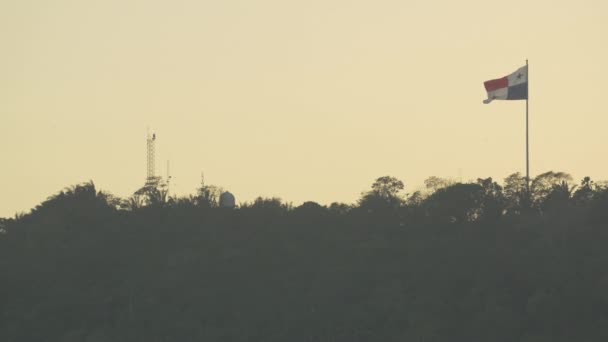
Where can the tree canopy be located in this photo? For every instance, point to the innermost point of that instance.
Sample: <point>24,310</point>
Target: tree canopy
<point>459,262</point>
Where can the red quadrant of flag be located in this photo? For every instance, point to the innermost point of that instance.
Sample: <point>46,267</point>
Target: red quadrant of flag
<point>496,84</point>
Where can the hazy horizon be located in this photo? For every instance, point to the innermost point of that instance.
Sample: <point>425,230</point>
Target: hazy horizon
<point>305,101</point>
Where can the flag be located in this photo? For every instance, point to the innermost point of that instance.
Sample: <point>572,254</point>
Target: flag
<point>512,87</point>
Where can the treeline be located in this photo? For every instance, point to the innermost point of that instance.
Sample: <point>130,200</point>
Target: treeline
<point>477,261</point>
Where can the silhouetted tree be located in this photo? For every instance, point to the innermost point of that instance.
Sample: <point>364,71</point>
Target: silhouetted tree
<point>310,211</point>
<point>585,192</point>
<point>186,201</point>
<point>456,203</point>
<point>516,193</point>
<point>387,187</point>
<point>546,183</point>
<point>383,195</point>
<point>434,183</point>
<point>267,206</point>
<point>559,198</point>
<point>415,199</point>
<point>208,196</point>
<point>339,208</point>
<point>493,201</point>
<point>133,202</point>
<point>310,208</point>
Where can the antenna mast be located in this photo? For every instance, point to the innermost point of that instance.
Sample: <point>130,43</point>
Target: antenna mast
<point>151,178</point>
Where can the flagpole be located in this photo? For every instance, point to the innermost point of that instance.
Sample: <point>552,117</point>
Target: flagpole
<point>527,137</point>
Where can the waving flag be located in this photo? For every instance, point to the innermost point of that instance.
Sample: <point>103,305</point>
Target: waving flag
<point>512,87</point>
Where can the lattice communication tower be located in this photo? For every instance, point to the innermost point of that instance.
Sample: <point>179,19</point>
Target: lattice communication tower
<point>151,178</point>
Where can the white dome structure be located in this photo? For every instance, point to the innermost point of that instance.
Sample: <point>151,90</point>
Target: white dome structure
<point>227,200</point>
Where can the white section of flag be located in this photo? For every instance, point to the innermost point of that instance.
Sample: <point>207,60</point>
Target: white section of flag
<point>498,94</point>
<point>518,77</point>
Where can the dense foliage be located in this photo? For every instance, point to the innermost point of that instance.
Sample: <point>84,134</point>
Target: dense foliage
<point>457,262</point>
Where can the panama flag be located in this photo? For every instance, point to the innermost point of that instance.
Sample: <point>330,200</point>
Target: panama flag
<point>512,87</point>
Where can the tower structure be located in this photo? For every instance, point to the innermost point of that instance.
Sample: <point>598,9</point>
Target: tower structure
<point>155,190</point>
<point>151,179</point>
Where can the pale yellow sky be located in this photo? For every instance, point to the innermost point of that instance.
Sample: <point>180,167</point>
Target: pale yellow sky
<point>306,100</point>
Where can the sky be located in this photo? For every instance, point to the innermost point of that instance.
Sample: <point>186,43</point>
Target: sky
<point>302,100</point>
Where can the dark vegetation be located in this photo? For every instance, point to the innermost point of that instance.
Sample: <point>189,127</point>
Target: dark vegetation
<point>457,262</point>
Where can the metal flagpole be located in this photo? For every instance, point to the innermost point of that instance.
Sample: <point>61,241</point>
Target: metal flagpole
<point>527,139</point>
